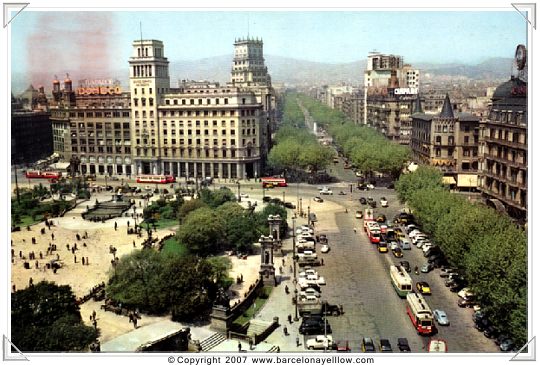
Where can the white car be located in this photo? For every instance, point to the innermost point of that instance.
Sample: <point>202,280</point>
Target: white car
<point>393,245</point>
<point>358,174</point>
<point>326,192</point>
<point>384,202</point>
<point>358,214</point>
<point>244,195</point>
<point>309,291</point>
<point>423,243</point>
<point>465,292</point>
<point>426,246</point>
<point>320,342</point>
<point>325,249</point>
<point>311,280</point>
<point>308,299</point>
<point>405,243</point>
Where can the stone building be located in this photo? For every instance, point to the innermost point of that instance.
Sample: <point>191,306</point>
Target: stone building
<point>504,145</point>
<point>448,141</point>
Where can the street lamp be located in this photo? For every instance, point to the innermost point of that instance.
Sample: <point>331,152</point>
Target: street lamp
<point>238,184</point>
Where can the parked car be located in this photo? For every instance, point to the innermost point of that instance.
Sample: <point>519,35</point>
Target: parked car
<point>318,199</point>
<point>405,243</point>
<point>325,249</point>
<point>326,191</point>
<point>423,288</point>
<point>373,204</point>
<point>358,214</point>
<point>441,317</point>
<point>403,345</point>
<point>363,201</point>
<point>368,345</point>
<point>384,345</point>
<point>384,202</point>
<point>289,205</point>
<point>507,345</point>
<point>465,292</point>
<point>467,302</point>
<point>427,267</point>
<point>491,332</point>
<point>310,291</point>
<point>342,346</point>
<point>405,265</point>
<point>314,326</point>
<point>320,342</point>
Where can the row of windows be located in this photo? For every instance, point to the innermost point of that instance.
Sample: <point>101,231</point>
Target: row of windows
<point>244,123</point>
<point>507,117</point>
<point>188,113</point>
<point>101,149</point>
<point>181,152</point>
<point>197,142</point>
<point>143,101</point>
<point>217,101</point>
<point>142,90</point>
<point>100,142</point>
<point>108,114</point>
<point>108,125</point>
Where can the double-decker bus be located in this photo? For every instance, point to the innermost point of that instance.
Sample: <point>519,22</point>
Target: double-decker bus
<point>401,280</point>
<point>156,179</point>
<point>270,182</point>
<point>420,314</point>
<point>36,174</point>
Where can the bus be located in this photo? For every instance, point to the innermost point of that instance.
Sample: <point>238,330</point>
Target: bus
<point>420,314</point>
<point>156,179</point>
<point>36,174</point>
<point>270,182</point>
<point>401,280</point>
<point>373,232</point>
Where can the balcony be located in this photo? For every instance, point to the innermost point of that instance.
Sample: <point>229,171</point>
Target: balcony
<point>509,163</point>
<point>503,142</point>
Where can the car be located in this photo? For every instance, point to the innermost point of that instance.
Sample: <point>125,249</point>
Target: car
<point>427,267</point>
<point>318,199</point>
<point>405,243</point>
<point>342,193</point>
<point>362,201</point>
<point>441,317</point>
<point>358,214</point>
<point>405,265</point>
<point>467,302</point>
<point>368,345</point>
<point>308,299</point>
<point>423,288</point>
<point>320,342</point>
<point>244,195</point>
<point>456,287</point>
<point>491,332</point>
<point>373,204</point>
<point>342,346</point>
<point>309,272</point>
<point>358,174</point>
<point>325,249</point>
<point>399,232</point>
<point>363,187</point>
<point>393,245</point>
<point>384,345</point>
<point>507,345</point>
<point>314,327</point>
<point>451,280</point>
<point>482,324</point>
<point>384,202</point>
<point>310,292</point>
<point>403,345</point>
<point>426,247</point>
<point>397,252</point>
<point>266,199</point>
<point>465,292</point>
<point>289,205</point>
<point>326,191</point>
<point>381,218</point>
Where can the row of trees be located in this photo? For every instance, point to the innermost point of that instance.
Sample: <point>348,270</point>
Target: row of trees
<point>487,246</point>
<point>29,204</point>
<point>297,148</point>
<point>364,147</point>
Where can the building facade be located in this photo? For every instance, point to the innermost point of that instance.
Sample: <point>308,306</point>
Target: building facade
<point>504,144</point>
<point>448,141</point>
<point>92,123</point>
<point>31,131</point>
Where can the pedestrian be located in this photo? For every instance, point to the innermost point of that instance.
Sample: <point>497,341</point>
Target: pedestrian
<point>67,246</point>
<point>83,260</point>
<point>322,262</point>
<point>40,255</point>
<point>31,282</point>
<point>297,341</point>
<point>135,322</point>
<point>115,226</point>
<point>289,318</point>
<point>33,240</point>
<point>94,322</point>
<point>85,234</point>
<point>283,262</point>
<point>128,223</point>
<point>78,237</point>
<point>52,236</point>
<point>37,265</point>
<point>87,262</point>
<point>134,243</point>
<point>20,254</point>
<point>75,258</point>
<point>239,347</point>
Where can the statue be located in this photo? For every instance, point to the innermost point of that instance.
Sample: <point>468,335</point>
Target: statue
<point>222,299</point>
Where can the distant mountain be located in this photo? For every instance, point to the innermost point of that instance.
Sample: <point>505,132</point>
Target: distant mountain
<point>283,69</point>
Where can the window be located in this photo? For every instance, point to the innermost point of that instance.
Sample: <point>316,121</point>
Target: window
<point>438,152</point>
<point>466,140</point>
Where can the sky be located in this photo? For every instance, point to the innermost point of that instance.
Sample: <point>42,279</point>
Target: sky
<point>42,41</point>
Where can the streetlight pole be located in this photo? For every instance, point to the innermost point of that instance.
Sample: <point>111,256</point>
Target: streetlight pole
<point>294,269</point>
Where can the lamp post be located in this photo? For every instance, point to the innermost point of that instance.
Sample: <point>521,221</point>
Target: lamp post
<point>238,184</point>
<point>294,269</point>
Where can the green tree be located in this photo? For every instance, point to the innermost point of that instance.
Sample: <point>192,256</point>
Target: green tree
<point>214,199</point>
<point>202,232</point>
<point>188,207</point>
<point>241,230</point>
<point>45,317</point>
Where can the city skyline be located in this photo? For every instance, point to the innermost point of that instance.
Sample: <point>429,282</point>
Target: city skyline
<point>99,43</point>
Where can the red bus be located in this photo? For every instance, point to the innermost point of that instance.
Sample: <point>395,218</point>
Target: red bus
<point>156,179</point>
<point>273,181</point>
<point>36,174</point>
<point>420,314</point>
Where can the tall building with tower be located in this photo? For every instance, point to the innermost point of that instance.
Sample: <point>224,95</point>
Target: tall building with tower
<point>148,81</point>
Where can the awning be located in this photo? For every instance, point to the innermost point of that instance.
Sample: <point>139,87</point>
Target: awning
<point>467,181</point>
<point>448,180</point>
